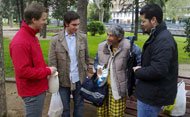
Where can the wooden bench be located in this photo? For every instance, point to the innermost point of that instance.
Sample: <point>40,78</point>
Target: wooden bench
<point>131,106</point>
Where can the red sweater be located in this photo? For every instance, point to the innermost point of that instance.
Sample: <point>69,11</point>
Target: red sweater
<point>30,69</point>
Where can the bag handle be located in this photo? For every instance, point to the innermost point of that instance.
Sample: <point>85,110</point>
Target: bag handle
<point>178,84</point>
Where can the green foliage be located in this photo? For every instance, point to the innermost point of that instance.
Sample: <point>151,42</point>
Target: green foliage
<point>161,3</point>
<point>48,20</point>
<point>59,10</point>
<point>96,27</point>
<point>107,3</point>
<point>93,14</point>
<point>187,32</point>
<point>177,9</point>
<point>9,6</point>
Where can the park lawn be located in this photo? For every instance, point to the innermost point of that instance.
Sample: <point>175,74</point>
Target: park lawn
<point>48,34</point>
<point>182,56</point>
<point>9,70</point>
<point>93,42</point>
<point>54,27</point>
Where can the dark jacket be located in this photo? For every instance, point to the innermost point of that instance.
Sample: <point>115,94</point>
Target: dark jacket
<point>158,76</point>
<point>135,49</point>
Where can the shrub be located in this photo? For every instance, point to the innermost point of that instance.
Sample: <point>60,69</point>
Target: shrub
<point>95,27</point>
<point>187,32</point>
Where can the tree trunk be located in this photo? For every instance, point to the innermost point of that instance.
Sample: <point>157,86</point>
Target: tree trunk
<point>10,19</point>
<point>22,9</point>
<point>100,9</point>
<point>43,31</point>
<point>101,14</point>
<point>9,7</point>
<point>82,11</point>
<point>136,18</point>
<point>3,105</point>
<point>19,12</point>
<point>132,24</point>
<point>58,22</point>
<point>10,14</point>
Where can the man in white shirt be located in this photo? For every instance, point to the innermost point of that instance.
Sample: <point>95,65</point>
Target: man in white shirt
<point>69,53</point>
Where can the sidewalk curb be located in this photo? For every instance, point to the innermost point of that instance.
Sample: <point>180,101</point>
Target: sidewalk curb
<point>10,80</point>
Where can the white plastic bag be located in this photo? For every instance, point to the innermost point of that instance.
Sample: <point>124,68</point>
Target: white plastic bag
<point>53,83</point>
<point>102,73</point>
<point>56,106</point>
<point>180,106</point>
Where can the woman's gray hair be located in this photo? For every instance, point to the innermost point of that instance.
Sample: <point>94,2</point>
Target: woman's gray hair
<point>116,30</point>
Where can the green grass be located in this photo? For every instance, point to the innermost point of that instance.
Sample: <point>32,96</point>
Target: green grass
<point>54,27</point>
<point>48,34</point>
<point>93,42</point>
<point>14,24</point>
<point>182,56</point>
<point>9,70</point>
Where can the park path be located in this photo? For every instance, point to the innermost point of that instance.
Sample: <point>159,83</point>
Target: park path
<point>11,31</point>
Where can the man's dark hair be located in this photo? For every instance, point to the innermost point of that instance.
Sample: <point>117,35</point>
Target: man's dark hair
<point>152,10</point>
<point>33,11</point>
<point>69,16</point>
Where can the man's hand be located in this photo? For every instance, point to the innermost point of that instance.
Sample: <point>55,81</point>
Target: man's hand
<point>53,70</point>
<point>135,68</point>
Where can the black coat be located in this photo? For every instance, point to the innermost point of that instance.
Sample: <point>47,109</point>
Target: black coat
<point>157,83</point>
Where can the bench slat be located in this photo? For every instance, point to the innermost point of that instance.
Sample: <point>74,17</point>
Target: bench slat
<point>131,105</point>
<point>187,104</point>
<point>188,98</point>
<point>162,114</point>
<point>131,112</point>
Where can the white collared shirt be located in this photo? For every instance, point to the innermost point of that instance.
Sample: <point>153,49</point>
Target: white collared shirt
<point>71,42</point>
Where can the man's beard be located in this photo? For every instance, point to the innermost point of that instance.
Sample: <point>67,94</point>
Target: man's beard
<point>145,31</point>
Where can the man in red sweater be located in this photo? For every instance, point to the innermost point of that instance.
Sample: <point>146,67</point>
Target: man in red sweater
<point>31,72</point>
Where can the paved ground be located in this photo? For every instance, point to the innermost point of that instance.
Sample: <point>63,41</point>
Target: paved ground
<point>184,69</point>
<point>15,104</point>
<point>10,32</point>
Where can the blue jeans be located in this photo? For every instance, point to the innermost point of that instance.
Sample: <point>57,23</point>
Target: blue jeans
<point>34,105</point>
<point>146,110</point>
<point>78,101</point>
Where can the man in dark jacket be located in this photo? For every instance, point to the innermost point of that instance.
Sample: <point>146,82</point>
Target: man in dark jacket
<point>157,75</point>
